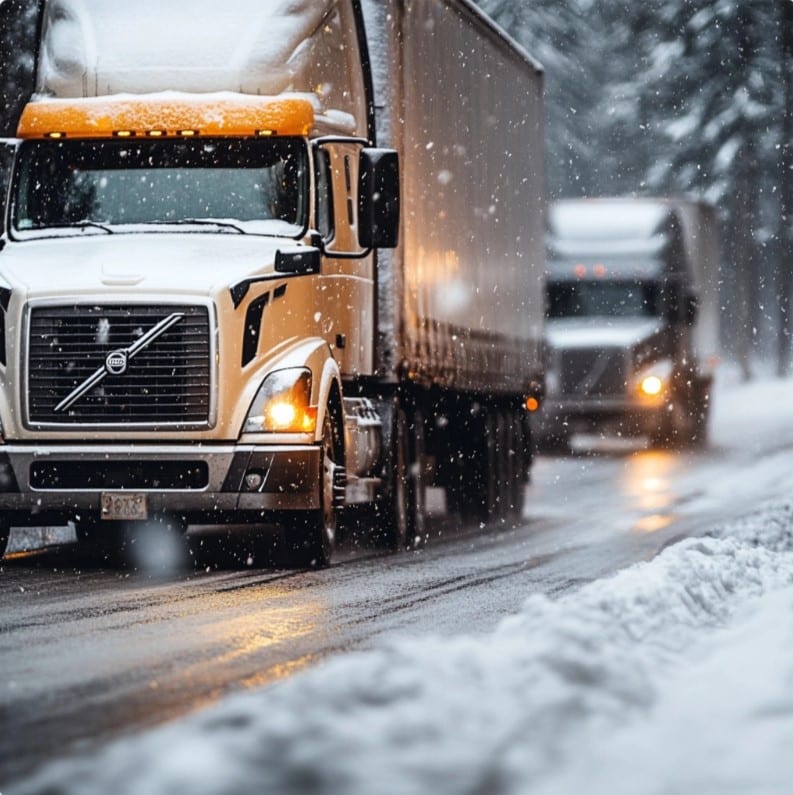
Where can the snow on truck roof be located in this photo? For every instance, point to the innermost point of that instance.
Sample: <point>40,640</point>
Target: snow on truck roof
<point>256,47</point>
<point>608,219</point>
<point>168,113</point>
<point>635,231</point>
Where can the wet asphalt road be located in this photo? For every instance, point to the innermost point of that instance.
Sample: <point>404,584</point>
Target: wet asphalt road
<point>88,652</point>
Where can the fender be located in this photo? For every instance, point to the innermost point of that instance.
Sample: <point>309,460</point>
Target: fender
<point>315,354</point>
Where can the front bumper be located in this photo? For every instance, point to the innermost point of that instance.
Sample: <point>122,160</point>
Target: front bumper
<point>203,483</point>
<point>562,418</point>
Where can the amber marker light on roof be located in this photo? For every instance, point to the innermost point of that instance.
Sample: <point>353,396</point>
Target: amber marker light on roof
<point>155,133</point>
<point>123,133</point>
<point>178,114</point>
<point>55,135</point>
<point>532,404</point>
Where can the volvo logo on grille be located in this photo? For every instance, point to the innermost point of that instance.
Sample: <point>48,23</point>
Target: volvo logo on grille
<point>116,362</point>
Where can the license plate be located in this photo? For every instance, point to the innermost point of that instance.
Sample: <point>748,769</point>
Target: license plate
<point>129,506</point>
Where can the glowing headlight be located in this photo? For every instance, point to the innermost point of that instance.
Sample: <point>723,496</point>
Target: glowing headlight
<point>651,385</point>
<point>654,381</point>
<point>282,404</point>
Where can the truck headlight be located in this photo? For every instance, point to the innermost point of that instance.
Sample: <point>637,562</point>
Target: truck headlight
<point>282,404</point>
<point>653,382</point>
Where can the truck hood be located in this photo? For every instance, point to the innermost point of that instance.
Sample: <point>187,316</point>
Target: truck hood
<point>198,264</point>
<point>600,332</point>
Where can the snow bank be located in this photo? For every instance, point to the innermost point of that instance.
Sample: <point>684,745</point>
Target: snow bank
<point>674,676</point>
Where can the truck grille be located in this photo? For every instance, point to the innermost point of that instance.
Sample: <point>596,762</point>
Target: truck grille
<point>165,382</point>
<point>593,372</point>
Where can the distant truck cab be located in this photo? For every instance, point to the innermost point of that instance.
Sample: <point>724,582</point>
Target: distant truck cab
<point>632,319</point>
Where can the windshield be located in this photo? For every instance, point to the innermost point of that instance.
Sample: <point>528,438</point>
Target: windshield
<point>254,185</point>
<point>602,299</point>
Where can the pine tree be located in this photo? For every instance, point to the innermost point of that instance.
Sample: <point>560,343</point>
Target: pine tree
<point>19,21</point>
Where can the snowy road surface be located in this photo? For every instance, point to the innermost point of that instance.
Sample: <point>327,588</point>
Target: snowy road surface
<point>518,660</point>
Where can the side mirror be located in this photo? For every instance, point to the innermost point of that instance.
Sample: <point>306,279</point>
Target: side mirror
<point>378,198</point>
<point>297,261</point>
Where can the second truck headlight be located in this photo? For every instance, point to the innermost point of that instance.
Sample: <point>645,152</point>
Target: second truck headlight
<point>282,404</point>
<point>654,381</point>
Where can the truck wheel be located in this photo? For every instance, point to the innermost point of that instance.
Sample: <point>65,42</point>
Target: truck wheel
<point>479,479</point>
<point>417,482</point>
<point>311,535</point>
<point>402,510</point>
<point>516,466</point>
<point>491,478</point>
<point>503,484</point>
<point>676,428</point>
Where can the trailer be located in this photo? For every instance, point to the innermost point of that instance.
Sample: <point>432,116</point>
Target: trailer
<point>284,263</point>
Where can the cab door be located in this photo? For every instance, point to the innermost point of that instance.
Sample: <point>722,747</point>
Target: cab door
<point>8,148</point>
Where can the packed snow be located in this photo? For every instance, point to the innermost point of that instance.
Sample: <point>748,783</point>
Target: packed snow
<point>674,676</point>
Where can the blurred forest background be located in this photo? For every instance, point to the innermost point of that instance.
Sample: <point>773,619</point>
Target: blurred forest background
<point>658,97</point>
<point>680,97</point>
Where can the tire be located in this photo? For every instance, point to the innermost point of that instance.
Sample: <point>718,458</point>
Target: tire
<point>503,484</point>
<point>676,428</point>
<point>515,466</point>
<point>509,466</point>
<point>310,536</point>
<point>401,510</point>
<point>478,484</point>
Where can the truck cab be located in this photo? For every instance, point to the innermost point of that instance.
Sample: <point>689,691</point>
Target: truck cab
<point>145,240</point>
<point>623,324</point>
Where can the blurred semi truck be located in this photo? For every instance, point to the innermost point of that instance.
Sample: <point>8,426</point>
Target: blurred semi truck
<point>632,319</point>
<point>287,261</point>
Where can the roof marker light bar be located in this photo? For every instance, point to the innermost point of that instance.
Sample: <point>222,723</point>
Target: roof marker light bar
<point>168,114</point>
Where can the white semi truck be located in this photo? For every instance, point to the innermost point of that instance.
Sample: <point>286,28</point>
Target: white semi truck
<point>633,319</point>
<point>284,262</point>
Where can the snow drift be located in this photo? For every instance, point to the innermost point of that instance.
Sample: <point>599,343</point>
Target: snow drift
<point>673,676</point>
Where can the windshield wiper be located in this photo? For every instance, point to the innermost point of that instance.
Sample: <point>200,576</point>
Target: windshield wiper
<point>88,225</point>
<point>219,225</point>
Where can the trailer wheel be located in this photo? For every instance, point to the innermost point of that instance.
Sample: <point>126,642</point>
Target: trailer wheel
<point>515,464</point>
<point>310,536</point>
<point>402,510</point>
<point>503,479</point>
<point>491,480</point>
<point>478,495</point>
